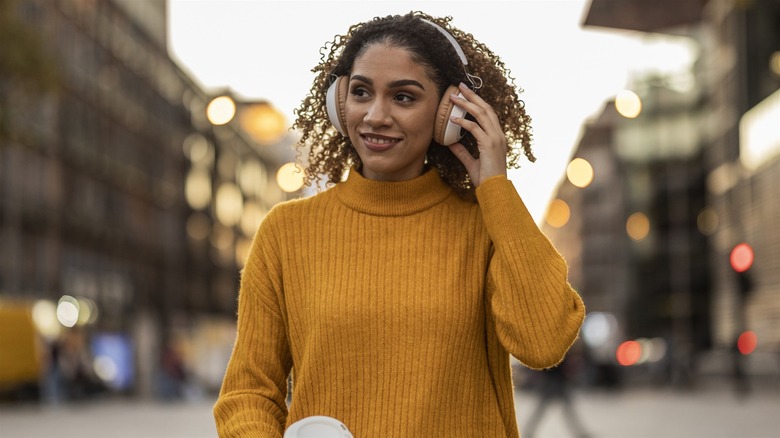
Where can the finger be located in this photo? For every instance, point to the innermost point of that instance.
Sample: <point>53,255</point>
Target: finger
<point>469,125</point>
<point>465,157</point>
<point>475,105</point>
<point>483,119</point>
<point>486,139</point>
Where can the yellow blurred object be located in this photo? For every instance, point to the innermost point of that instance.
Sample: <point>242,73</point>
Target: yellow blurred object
<point>558,213</point>
<point>21,362</point>
<point>263,122</point>
<point>221,110</point>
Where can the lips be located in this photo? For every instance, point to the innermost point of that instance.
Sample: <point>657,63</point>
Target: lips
<point>378,143</point>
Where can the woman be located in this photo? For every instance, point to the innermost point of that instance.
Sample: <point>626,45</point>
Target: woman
<point>395,297</point>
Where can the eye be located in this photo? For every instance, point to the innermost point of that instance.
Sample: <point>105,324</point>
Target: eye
<point>359,92</point>
<point>404,98</point>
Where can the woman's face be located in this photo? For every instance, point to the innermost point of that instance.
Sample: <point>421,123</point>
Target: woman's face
<point>390,112</point>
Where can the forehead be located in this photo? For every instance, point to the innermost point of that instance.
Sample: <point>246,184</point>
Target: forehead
<point>387,59</point>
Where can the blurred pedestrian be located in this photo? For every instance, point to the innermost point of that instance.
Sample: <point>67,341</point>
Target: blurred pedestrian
<point>75,364</point>
<point>555,387</point>
<point>53,382</point>
<point>396,296</point>
<point>174,372</point>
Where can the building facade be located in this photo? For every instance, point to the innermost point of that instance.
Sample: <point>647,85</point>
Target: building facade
<point>684,192</point>
<point>115,188</point>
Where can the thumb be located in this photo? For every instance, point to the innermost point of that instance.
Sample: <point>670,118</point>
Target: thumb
<point>465,157</point>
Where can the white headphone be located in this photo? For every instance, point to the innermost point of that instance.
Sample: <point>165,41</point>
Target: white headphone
<point>445,132</point>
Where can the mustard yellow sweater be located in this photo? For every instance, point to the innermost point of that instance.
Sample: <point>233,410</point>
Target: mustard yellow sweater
<point>395,305</point>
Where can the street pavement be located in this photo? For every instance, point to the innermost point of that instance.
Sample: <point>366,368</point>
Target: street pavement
<point>661,413</point>
<point>636,413</point>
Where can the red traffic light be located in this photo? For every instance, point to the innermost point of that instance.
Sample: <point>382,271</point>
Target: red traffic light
<point>741,257</point>
<point>747,342</point>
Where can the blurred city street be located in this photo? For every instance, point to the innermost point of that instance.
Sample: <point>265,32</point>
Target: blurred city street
<point>132,184</point>
<point>657,413</point>
<point>645,413</point>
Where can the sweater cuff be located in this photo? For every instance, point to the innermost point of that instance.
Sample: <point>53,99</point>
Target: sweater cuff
<point>503,211</point>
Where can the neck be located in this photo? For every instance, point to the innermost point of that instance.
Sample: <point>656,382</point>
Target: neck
<point>392,198</point>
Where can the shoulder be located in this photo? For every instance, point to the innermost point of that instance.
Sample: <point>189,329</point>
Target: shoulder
<point>293,210</point>
<point>462,211</point>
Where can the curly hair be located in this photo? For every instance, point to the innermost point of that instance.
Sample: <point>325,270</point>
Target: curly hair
<point>330,154</point>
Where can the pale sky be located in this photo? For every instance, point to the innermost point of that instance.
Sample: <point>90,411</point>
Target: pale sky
<point>265,50</point>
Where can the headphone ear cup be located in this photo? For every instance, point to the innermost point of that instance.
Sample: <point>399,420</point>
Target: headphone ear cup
<point>335,100</point>
<point>444,131</point>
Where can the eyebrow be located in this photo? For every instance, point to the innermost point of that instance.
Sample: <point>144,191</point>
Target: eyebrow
<point>394,84</point>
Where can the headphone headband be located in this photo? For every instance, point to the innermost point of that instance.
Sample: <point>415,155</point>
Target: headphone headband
<point>451,39</point>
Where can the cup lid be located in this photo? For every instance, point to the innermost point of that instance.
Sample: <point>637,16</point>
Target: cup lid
<point>319,426</point>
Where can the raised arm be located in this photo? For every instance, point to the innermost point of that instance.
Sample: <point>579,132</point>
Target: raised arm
<point>537,314</point>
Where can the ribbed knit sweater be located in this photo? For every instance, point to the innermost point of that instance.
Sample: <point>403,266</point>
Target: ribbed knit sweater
<point>395,306</point>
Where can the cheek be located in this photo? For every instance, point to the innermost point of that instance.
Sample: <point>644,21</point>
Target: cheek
<point>353,115</point>
<point>352,118</point>
<point>422,124</point>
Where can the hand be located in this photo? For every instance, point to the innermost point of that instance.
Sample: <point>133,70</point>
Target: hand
<point>491,140</point>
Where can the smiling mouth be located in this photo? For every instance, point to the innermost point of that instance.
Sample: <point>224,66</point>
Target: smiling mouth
<point>378,143</point>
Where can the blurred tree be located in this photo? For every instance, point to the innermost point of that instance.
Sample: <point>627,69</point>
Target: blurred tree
<point>24,62</point>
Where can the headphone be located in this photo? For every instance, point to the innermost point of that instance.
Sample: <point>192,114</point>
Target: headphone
<point>445,132</point>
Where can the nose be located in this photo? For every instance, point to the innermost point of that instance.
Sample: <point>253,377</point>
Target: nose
<point>378,113</point>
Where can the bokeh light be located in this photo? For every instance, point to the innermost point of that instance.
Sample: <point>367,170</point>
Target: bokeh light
<point>88,311</point>
<point>44,315</point>
<point>580,172</point>
<point>638,226</point>
<point>243,247</point>
<point>68,311</point>
<point>628,353</point>
<point>707,221</point>
<point>628,104</point>
<point>598,328</point>
<point>290,177</point>
<point>222,237</point>
<point>723,178</point>
<point>774,63</point>
<point>264,123</point>
<point>250,219</point>
<point>198,226</point>
<point>558,213</point>
<point>747,342</point>
<point>741,257</point>
<point>229,204</point>
<point>105,368</point>
<point>221,110</point>
<point>656,349</point>
<point>252,178</point>
<point>197,188</point>
<point>198,149</point>
<point>114,361</point>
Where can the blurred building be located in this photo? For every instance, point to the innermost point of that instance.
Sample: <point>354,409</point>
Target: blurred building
<point>680,183</point>
<point>116,189</point>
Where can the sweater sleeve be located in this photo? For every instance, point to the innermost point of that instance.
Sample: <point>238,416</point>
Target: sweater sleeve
<point>251,402</point>
<point>537,314</point>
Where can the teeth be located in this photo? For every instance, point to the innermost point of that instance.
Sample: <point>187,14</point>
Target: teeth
<point>378,140</point>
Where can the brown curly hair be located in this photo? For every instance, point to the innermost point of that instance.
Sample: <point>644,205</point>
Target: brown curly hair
<point>330,154</point>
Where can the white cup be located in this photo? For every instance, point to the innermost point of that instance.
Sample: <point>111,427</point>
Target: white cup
<point>319,426</point>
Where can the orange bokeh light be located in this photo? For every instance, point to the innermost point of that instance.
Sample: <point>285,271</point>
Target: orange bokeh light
<point>628,353</point>
<point>747,342</point>
<point>741,257</point>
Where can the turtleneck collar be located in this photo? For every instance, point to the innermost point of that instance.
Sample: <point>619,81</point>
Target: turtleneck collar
<point>396,198</point>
